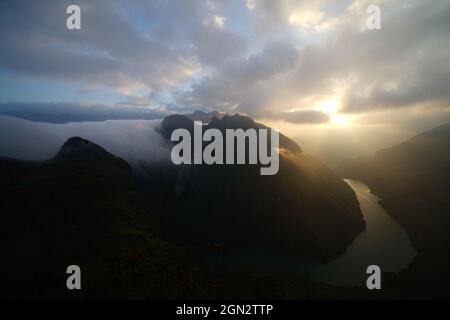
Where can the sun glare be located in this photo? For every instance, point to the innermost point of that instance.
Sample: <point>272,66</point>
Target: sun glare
<point>328,106</point>
<point>331,108</point>
<point>340,120</point>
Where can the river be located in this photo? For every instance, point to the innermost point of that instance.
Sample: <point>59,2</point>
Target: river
<point>384,243</point>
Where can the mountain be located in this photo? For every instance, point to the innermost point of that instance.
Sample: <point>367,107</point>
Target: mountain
<point>204,116</point>
<point>222,123</point>
<point>304,210</point>
<point>81,207</point>
<point>413,180</point>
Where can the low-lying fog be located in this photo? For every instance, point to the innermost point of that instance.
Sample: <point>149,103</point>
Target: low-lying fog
<point>133,140</point>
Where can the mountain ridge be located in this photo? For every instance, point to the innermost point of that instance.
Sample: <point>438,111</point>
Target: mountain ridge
<point>413,182</point>
<point>85,210</point>
<point>305,209</point>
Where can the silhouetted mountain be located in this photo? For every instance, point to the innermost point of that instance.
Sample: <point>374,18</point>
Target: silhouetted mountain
<point>81,208</point>
<point>77,150</point>
<point>305,209</point>
<point>204,116</point>
<point>413,180</point>
<point>236,121</point>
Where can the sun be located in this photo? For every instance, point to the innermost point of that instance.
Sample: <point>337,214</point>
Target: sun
<point>340,120</point>
<point>331,108</point>
<point>328,106</point>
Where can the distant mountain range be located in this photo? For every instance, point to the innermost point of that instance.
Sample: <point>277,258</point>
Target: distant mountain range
<point>70,112</point>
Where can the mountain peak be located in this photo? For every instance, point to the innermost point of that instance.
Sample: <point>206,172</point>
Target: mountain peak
<point>78,149</point>
<point>235,121</point>
<point>76,142</point>
<point>204,116</point>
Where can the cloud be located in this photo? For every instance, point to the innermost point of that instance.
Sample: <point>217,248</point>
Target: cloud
<point>405,64</point>
<point>136,141</point>
<point>76,112</point>
<point>233,83</point>
<point>281,16</point>
<point>115,46</point>
<point>301,117</point>
<point>263,58</point>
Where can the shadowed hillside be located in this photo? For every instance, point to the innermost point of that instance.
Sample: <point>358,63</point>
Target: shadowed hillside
<point>80,207</point>
<point>413,180</point>
<point>304,210</point>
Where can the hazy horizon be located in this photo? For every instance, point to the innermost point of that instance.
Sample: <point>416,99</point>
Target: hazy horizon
<point>137,140</point>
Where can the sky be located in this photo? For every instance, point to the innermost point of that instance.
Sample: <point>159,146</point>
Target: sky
<point>310,68</point>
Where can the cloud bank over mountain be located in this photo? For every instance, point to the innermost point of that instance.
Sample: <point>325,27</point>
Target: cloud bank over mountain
<point>133,140</point>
